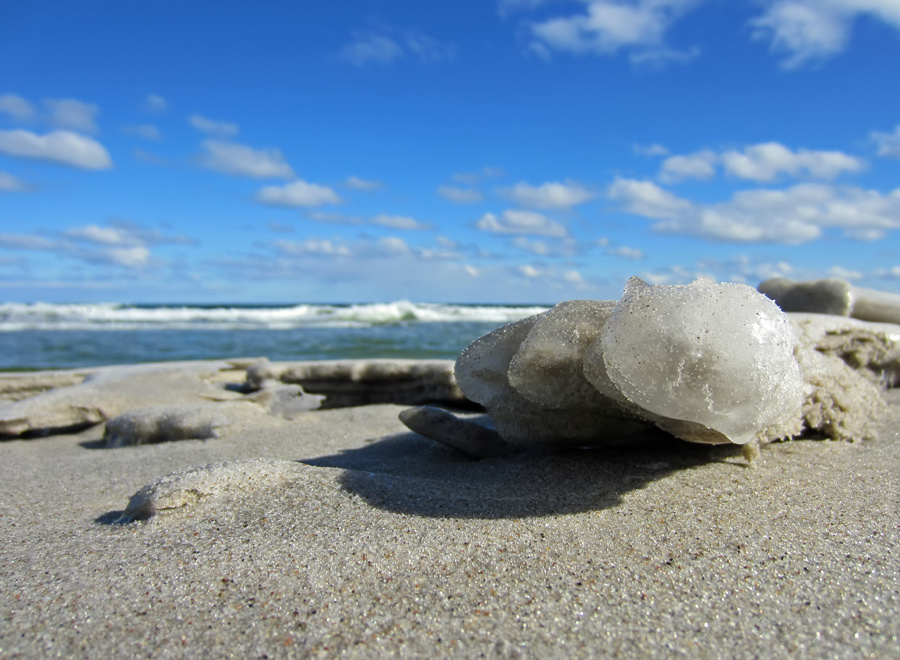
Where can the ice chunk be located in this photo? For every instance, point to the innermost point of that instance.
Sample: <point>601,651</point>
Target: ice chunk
<point>715,361</point>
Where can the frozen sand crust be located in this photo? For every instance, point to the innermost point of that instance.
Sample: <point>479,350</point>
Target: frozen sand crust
<point>402,547</point>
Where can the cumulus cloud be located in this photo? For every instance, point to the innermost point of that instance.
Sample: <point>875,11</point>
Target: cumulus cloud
<point>72,114</point>
<point>888,144</point>
<point>400,222</point>
<point>313,246</point>
<point>762,163</point>
<point>647,199</point>
<point>794,215</point>
<point>10,183</point>
<point>16,107</point>
<point>122,243</point>
<point>551,195</point>
<point>460,195</point>
<point>608,26</point>
<point>241,160</point>
<point>810,31</point>
<point>625,252</point>
<point>361,184</point>
<point>765,162</point>
<point>298,193</point>
<point>388,46</point>
<point>64,147</point>
<point>844,273</point>
<point>698,165</point>
<point>124,233</point>
<point>213,126</point>
<point>521,222</point>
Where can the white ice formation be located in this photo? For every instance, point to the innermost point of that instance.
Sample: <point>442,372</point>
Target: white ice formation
<point>709,363</point>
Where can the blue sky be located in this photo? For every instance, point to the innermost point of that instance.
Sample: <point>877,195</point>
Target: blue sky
<point>467,151</point>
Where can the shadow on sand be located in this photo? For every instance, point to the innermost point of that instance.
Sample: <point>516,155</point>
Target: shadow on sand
<point>405,473</point>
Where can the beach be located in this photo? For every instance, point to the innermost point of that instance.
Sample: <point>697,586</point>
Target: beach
<point>340,533</point>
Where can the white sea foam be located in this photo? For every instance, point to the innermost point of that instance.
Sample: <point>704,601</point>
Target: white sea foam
<point>18,317</point>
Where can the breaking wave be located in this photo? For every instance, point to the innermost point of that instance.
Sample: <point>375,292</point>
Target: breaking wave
<point>18,317</point>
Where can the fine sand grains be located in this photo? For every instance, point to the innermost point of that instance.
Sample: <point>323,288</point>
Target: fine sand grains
<point>374,542</point>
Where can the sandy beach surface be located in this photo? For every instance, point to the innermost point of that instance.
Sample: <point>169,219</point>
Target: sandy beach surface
<point>353,537</point>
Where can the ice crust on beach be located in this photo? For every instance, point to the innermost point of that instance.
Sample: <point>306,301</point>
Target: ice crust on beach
<point>706,362</point>
<point>188,487</point>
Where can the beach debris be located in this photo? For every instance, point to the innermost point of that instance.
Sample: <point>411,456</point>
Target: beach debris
<point>106,392</point>
<point>345,383</point>
<point>165,424</point>
<point>188,487</point>
<point>708,363</point>
<point>833,296</point>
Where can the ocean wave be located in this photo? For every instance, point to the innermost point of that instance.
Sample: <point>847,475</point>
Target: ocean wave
<point>19,317</point>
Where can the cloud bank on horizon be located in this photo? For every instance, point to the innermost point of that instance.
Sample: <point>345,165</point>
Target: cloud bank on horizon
<point>522,151</point>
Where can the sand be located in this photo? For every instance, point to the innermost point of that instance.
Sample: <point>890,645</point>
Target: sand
<point>354,537</point>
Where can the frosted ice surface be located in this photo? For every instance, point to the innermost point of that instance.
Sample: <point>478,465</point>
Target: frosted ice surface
<point>717,355</point>
<point>547,368</point>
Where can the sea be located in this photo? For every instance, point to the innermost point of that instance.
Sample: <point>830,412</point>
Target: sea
<point>66,336</point>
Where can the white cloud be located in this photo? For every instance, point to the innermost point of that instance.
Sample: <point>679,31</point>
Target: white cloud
<point>298,193</point>
<point>124,244</point>
<point>766,161</point>
<point>392,245</point>
<point>625,252</point>
<point>123,233</point>
<point>366,48</point>
<point>698,165</point>
<point>72,114</point>
<point>460,195</point>
<point>844,273</point>
<point>146,131</point>
<point>373,47</point>
<point>10,183</point>
<point>213,126</point>
<point>528,271</point>
<point>239,159</point>
<point>155,103</point>
<point>551,195</point>
<point>102,235</point>
<point>575,278</point>
<point>539,248</point>
<point>130,257</point>
<point>762,162</point>
<point>794,215</point>
<point>611,25</point>
<point>888,144</point>
<point>650,150</point>
<point>810,31</point>
<point>647,199</point>
<point>521,222</point>
<point>361,184</point>
<point>312,246</point>
<point>26,242</point>
<point>63,147</point>
<point>16,107</point>
<point>400,222</point>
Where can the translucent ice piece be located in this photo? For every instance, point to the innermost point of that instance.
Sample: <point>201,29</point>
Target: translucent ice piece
<point>715,360</point>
